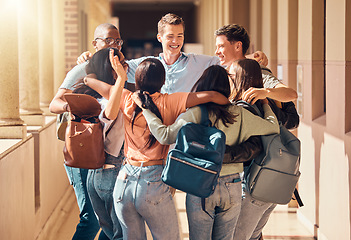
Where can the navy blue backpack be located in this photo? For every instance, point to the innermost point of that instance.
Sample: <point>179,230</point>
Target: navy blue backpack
<point>194,164</point>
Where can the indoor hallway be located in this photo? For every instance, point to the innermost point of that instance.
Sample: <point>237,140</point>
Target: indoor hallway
<point>283,223</point>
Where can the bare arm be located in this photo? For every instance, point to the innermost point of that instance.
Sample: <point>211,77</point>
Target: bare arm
<point>58,104</point>
<point>281,93</point>
<point>168,134</point>
<point>102,88</point>
<point>196,98</point>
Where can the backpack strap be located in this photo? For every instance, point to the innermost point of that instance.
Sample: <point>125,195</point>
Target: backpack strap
<point>204,116</point>
<point>252,108</point>
<point>297,197</point>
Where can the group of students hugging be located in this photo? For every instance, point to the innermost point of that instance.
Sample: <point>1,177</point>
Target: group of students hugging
<point>148,100</point>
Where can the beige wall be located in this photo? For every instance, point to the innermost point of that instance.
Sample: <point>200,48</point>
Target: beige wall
<point>295,41</point>
<point>17,192</point>
<point>325,180</point>
<point>32,182</point>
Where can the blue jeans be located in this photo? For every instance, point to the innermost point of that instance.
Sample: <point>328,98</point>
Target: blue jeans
<point>88,225</point>
<point>140,196</point>
<point>100,185</point>
<point>253,217</point>
<point>223,208</point>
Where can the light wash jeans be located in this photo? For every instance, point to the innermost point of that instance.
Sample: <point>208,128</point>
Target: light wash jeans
<point>253,217</point>
<point>88,225</point>
<point>100,186</point>
<point>140,196</point>
<point>224,207</point>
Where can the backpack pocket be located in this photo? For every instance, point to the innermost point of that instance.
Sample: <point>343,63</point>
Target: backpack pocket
<point>194,176</point>
<point>270,185</point>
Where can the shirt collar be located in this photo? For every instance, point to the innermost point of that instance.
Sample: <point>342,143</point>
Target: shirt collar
<point>181,57</point>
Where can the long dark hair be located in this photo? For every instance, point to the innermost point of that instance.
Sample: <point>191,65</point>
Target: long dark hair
<point>149,78</point>
<point>215,78</point>
<point>100,65</point>
<point>247,73</point>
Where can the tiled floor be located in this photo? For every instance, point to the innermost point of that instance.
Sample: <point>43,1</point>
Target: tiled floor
<point>283,223</point>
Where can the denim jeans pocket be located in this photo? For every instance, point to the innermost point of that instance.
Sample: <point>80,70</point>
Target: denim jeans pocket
<point>156,192</point>
<point>119,189</point>
<point>105,179</point>
<point>234,191</point>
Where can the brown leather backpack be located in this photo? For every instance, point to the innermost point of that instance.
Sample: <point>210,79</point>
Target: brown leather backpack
<point>84,143</point>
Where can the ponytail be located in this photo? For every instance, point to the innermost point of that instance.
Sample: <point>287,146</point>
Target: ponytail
<point>147,103</point>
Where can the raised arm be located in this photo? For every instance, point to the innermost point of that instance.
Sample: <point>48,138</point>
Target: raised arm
<point>112,107</point>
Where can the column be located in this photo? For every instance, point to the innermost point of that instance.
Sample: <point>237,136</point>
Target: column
<point>348,67</point>
<point>269,32</point>
<point>287,42</point>
<point>28,63</point>
<point>255,25</point>
<point>239,13</point>
<point>308,184</point>
<point>11,126</point>
<point>46,77</point>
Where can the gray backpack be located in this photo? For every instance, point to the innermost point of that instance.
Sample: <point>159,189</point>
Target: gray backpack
<point>273,175</point>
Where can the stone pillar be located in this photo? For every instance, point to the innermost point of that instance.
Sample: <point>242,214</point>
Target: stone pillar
<point>287,42</point>
<point>28,63</point>
<point>46,77</point>
<point>11,126</point>
<point>255,25</point>
<point>269,32</point>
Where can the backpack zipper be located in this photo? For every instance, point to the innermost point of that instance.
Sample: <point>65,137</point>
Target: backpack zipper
<point>193,165</point>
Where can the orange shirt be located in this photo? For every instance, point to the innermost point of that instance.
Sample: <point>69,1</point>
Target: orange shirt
<point>170,107</point>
